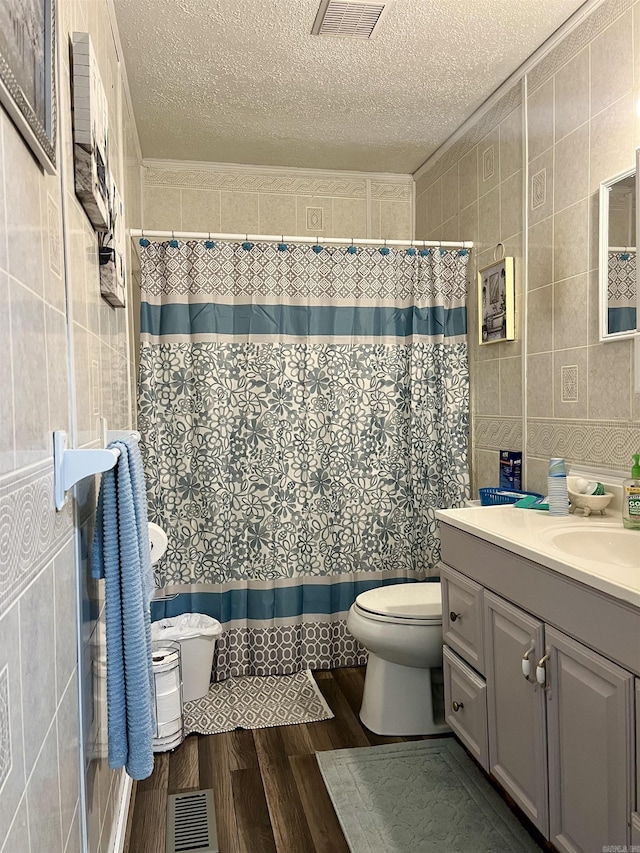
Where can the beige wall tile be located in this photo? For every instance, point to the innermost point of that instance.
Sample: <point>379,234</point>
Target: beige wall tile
<point>31,412</point>
<point>421,217</point>
<point>536,475</point>
<point>375,208</point>
<point>162,209</point>
<point>488,469</point>
<point>489,162</point>
<point>395,220</point>
<point>594,230</point>
<point>434,206</point>
<point>570,250</point>
<point>57,363</point>
<point>489,219</point>
<point>571,168</point>
<point>564,405</point>
<point>570,312</point>
<point>349,217</point>
<point>277,214</point>
<point>540,384</point>
<point>450,230</point>
<point>7,461</point>
<point>469,223</point>
<point>487,393</point>
<point>450,195</point>
<point>540,265</point>
<point>422,183</point>
<point>540,119</point>
<point>325,204</point>
<point>540,187</point>
<point>511,386</point>
<point>593,322</point>
<point>468,177</point>
<point>239,213</point>
<point>612,147</point>
<point>511,144</point>
<point>612,63</point>
<point>572,95</point>
<point>540,319</point>
<point>610,368</point>
<point>22,197</point>
<point>82,383</point>
<point>200,210</point>
<point>511,206</point>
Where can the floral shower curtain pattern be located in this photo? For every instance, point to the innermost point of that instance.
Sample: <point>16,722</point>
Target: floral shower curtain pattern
<point>304,412</point>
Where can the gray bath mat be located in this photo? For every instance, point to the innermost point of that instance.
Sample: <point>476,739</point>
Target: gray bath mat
<point>257,702</point>
<point>419,797</point>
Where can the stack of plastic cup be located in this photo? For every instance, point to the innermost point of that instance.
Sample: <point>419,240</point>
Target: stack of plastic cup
<point>557,488</point>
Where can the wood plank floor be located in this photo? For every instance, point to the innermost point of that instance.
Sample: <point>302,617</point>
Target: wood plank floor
<point>268,791</point>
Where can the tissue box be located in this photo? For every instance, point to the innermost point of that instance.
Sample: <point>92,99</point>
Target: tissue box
<point>510,469</point>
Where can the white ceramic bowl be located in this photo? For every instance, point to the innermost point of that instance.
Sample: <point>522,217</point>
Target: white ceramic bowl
<point>590,503</point>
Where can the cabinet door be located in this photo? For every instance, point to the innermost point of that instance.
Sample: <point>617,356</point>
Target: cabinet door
<point>465,705</point>
<point>589,719</point>
<point>462,616</point>
<point>516,707</point>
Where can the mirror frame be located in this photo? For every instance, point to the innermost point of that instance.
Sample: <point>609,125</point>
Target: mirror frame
<point>603,259</point>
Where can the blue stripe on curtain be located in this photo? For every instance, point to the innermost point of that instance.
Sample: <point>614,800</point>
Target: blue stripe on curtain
<point>261,604</point>
<point>301,320</point>
<point>621,319</point>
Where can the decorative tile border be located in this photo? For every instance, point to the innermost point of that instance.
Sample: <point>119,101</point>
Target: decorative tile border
<point>392,190</point>
<point>207,179</point>
<point>496,433</point>
<point>576,40</point>
<point>287,183</point>
<point>31,531</point>
<point>5,730</point>
<point>606,444</point>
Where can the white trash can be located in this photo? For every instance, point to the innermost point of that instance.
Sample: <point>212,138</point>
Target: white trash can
<point>197,636</point>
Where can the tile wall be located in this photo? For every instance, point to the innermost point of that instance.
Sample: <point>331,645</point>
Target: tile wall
<point>578,107</point>
<point>44,386</point>
<point>218,198</point>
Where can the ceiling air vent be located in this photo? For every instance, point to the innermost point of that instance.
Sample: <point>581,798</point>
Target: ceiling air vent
<point>356,19</point>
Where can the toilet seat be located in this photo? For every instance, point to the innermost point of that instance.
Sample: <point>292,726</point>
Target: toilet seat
<point>405,603</point>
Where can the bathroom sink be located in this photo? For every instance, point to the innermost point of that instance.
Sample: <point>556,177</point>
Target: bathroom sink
<point>601,544</point>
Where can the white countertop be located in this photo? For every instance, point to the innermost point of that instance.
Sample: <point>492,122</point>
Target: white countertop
<point>522,532</point>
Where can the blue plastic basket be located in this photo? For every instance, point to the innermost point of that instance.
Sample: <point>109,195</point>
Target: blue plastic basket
<point>493,496</point>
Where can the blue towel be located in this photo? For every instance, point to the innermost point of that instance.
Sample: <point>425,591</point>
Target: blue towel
<point>121,555</point>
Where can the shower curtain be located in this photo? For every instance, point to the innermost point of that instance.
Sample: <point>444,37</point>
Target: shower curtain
<point>303,412</point>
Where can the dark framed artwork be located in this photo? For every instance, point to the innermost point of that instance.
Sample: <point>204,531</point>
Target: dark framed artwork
<point>496,302</point>
<point>27,73</point>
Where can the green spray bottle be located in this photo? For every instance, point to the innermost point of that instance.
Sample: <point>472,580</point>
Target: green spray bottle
<point>631,497</point>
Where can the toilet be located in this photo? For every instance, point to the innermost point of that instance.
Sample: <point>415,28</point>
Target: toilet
<point>401,627</point>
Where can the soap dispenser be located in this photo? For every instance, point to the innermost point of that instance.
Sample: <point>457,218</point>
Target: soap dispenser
<point>631,497</point>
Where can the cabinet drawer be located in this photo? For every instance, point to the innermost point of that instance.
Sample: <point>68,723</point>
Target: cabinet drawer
<point>464,689</point>
<point>462,627</point>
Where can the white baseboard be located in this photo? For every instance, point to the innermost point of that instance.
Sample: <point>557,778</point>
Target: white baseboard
<point>119,831</point>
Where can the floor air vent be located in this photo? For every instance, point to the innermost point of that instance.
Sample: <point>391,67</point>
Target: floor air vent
<point>357,19</point>
<point>191,823</point>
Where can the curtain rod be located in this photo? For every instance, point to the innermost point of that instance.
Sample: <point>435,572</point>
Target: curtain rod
<point>284,238</point>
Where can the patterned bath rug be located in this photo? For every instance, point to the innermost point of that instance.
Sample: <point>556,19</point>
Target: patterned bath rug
<point>419,797</point>
<point>257,702</point>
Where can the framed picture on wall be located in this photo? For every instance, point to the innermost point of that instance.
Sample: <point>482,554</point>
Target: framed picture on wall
<point>27,73</point>
<point>496,302</point>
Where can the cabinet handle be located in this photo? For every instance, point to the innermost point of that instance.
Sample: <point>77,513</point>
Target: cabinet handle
<point>526,663</point>
<point>456,706</point>
<point>453,616</point>
<point>541,671</point>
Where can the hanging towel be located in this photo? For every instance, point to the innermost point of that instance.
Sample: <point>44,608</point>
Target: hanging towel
<point>121,555</point>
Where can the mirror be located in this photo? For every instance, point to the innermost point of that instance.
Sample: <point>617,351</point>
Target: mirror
<point>618,270</point>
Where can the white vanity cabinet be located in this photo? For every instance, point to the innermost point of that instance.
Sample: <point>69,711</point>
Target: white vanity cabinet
<point>564,750</point>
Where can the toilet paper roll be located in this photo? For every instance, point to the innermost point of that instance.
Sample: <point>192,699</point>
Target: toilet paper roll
<point>158,541</point>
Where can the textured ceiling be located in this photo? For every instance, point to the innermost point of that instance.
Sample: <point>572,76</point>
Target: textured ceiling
<point>245,82</point>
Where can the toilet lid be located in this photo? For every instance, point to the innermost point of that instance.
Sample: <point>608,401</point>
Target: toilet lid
<point>404,601</point>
